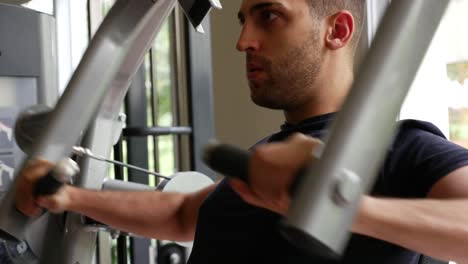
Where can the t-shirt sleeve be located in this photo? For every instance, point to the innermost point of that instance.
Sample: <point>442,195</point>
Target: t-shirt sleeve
<point>425,155</point>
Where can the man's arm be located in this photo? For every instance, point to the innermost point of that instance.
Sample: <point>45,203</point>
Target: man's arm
<point>437,226</point>
<point>433,227</point>
<point>161,215</point>
<point>156,214</point>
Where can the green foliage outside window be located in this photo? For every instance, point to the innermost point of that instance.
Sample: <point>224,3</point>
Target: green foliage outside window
<point>163,89</point>
<point>458,116</point>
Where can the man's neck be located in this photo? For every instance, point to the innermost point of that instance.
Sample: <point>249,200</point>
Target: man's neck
<point>327,98</point>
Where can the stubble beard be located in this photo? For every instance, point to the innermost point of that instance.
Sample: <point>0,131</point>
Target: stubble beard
<point>291,78</point>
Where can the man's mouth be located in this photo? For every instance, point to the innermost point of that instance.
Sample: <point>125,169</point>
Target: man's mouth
<point>254,74</point>
<point>254,71</point>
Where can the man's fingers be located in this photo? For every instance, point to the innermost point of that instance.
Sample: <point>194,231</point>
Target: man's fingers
<point>243,190</point>
<point>43,202</point>
<point>294,152</point>
<point>37,211</point>
<point>49,203</point>
<point>58,202</point>
<point>35,168</point>
<point>272,170</point>
<point>25,202</point>
<point>249,196</point>
<point>33,212</point>
<point>272,202</point>
<point>28,207</point>
<point>28,176</point>
<point>305,145</point>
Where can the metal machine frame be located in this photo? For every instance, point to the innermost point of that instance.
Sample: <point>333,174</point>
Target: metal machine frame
<point>109,63</point>
<point>322,208</point>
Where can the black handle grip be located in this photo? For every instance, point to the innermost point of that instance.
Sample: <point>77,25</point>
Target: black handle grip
<point>234,162</point>
<point>229,160</point>
<point>47,185</point>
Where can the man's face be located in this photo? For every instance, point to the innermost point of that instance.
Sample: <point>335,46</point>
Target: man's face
<point>282,43</point>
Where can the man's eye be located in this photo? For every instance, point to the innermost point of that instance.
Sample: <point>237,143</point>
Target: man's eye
<point>268,16</point>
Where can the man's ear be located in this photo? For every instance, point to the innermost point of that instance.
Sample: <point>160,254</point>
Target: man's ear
<point>340,30</point>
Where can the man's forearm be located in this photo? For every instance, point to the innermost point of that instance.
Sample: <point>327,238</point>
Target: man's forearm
<point>437,228</point>
<point>150,214</point>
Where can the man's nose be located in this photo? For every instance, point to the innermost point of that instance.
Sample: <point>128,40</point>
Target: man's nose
<point>248,40</point>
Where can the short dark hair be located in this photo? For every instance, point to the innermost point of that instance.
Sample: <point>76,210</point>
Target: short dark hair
<point>323,8</point>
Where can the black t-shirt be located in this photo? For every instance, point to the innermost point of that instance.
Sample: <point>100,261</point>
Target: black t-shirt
<point>232,231</point>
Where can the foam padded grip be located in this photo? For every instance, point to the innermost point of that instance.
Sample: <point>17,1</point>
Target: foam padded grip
<point>229,160</point>
<point>47,185</point>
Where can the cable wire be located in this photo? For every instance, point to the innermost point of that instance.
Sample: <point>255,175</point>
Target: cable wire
<point>80,151</point>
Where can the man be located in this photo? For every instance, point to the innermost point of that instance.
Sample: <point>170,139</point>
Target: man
<point>299,58</point>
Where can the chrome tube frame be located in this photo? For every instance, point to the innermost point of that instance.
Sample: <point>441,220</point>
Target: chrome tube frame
<point>327,198</point>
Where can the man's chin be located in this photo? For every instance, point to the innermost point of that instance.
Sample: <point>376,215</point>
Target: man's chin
<point>264,102</point>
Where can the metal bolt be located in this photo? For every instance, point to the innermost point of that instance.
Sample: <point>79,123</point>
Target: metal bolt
<point>65,170</point>
<point>347,188</point>
<point>174,258</point>
<point>21,247</point>
<point>114,233</point>
<point>122,117</point>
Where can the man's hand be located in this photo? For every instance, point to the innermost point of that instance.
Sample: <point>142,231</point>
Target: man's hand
<point>272,171</point>
<point>58,202</point>
<point>28,177</point>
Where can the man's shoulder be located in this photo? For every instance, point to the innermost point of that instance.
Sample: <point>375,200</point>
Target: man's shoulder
<point>418,126</point>
<point>413,135</point>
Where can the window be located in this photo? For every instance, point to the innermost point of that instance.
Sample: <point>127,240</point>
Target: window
<point>439,93</point>
<point>457,89</point>
<point>155,94</point>
<point>44,6</point>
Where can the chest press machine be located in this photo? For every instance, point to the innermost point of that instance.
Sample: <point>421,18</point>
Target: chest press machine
<point>95,91</point>
<point>328,194</point>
